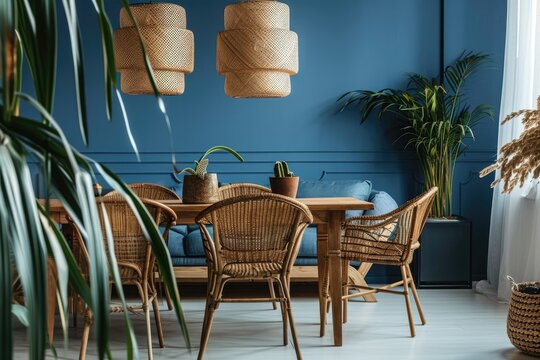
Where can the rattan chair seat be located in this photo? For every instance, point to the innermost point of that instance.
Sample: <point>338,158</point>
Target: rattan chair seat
<point>252,270</point>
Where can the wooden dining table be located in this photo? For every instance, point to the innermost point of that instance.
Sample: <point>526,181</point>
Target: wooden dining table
<point>328,215</point>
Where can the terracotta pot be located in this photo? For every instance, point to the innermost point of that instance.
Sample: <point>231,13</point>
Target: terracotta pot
<point>200,191</point>
<point>287,186</point>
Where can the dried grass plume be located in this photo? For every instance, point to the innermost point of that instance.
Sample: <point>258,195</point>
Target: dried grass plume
<point>520,158</point>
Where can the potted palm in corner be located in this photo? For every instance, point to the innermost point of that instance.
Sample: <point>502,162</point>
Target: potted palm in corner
<point>201,187</point>
<point>435,121</point>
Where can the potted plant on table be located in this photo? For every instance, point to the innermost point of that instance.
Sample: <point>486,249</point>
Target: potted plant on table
<point>201,187</point>
<point>284,182</point>
<point>434,120</point>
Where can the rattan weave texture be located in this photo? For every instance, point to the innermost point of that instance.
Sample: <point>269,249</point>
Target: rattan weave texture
<point>257,52</point>
<point>523,325</point>
<point>170,48</point>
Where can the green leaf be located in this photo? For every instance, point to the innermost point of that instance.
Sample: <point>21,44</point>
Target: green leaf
<point>159,248</point>
<point>200,170</point>
<point>21,313</point>
<point>21,228</point>
<point>130,335</point>
<point>222,148</point>
<point>70,9</point>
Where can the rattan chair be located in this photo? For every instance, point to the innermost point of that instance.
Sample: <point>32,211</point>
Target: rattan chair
<point>388,239</point>
<point>255,237</point>
<point>157,192</point>
<point>239,189</point>
<point>134,256</point>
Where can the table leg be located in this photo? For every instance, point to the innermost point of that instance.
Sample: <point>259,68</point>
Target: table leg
<point>334,262</point>
<point>322,267</point>
<point>51,297</point>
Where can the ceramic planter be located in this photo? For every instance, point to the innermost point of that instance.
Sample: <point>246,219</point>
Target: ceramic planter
<point>200,191</point>
<point>445,254</point>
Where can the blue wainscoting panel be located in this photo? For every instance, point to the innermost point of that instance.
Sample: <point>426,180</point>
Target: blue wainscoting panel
<point>343,45</point>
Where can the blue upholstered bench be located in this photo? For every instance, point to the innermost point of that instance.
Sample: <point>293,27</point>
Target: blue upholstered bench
<point>185,242</point>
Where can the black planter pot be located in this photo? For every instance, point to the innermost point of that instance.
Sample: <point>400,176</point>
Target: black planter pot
<point>444,257</point>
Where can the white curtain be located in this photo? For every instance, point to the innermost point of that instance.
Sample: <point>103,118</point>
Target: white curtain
<point>514,241</point>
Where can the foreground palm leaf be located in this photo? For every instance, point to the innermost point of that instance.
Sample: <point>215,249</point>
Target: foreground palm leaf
<point>28,237</point>
<point>433,119</point>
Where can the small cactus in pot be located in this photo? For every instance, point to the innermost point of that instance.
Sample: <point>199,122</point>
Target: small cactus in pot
<point>284,182</point>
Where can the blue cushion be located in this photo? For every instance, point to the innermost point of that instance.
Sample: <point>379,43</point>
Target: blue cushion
<point>193,244</point>
<point>176,244</point>
<point>305,261</point>
<point>382,203</point>
<point>308,246</point>
<point>359,189</point>
<point>179,229</point>
<point>189,261</point>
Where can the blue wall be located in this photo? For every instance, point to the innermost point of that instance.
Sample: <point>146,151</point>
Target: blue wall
<point>344,45</point>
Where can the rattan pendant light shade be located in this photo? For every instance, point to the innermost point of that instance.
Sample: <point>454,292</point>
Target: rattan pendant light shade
<point>257,53</point>
<point>169,45</point>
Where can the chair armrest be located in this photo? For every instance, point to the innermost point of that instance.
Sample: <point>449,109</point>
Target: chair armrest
<point>165,212</point>
<point>372,228</point>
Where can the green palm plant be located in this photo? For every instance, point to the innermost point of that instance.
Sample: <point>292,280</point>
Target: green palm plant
<point>433,119</point>
<point>28,236</point>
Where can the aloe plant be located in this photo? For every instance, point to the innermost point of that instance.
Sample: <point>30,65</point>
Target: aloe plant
<point>434,119</point>
<point>201,165</point>
<point>28,236</point>
<point>281,169</point>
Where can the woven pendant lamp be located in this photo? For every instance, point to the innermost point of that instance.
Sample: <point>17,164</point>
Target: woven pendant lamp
<point>169,45</point>
<point>257,53</point>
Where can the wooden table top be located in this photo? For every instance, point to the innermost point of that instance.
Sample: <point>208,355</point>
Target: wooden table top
<point>314,204</point>
<point>326,203</point>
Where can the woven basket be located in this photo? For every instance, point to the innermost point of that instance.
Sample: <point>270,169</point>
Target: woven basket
<point>257,53</point>
<point>523,324</point>
<point>170,48</point>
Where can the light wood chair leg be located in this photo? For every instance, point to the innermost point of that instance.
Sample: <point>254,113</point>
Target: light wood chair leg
<point>416,297</point>
<point>284,317</point>
<point>407,300</point>
<point>216,289</point>
<point>272,293</point>
<point>206,327</point>
<point>168,298</point>
<point>85,336</point>
<point>287,293</point>
<point>157,318</point>
<point>146,309</point>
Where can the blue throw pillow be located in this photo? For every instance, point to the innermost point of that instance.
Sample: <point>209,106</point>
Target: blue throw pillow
<point>382,203</point>
<point>360,189</point>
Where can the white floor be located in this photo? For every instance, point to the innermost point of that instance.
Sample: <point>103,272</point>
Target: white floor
<point>461,325</point>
